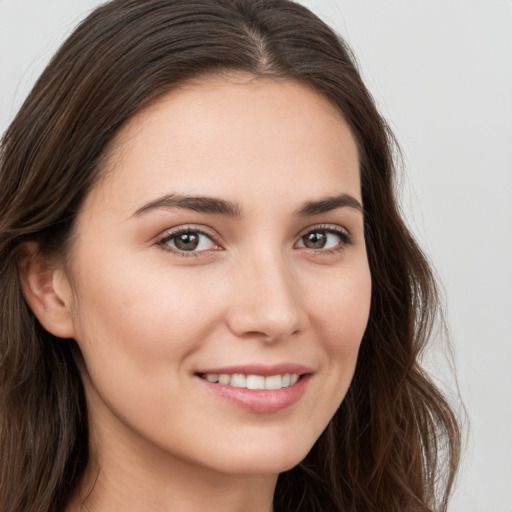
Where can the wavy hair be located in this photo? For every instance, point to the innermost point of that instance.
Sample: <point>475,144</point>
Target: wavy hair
<point>394,443</point>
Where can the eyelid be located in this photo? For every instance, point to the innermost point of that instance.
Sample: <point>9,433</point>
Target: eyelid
<point>324,227</point>
<point>343,233</point>
<point>187,228</point>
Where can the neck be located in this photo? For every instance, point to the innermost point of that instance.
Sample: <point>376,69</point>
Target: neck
<point>184,491</point>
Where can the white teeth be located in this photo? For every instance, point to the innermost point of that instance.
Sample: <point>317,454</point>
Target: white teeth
<point>274,382</point>
<point>255,382</point>
<point>239,380</point>
<point>224,378</point>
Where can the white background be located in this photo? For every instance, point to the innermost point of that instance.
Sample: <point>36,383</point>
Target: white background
<point>441,72</point>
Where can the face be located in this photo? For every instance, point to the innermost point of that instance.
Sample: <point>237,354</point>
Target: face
<point>219,279</point>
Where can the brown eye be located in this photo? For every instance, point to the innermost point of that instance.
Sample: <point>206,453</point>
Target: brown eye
<point>186,241</point>
<point>324,239</point>
<point>316,240</point>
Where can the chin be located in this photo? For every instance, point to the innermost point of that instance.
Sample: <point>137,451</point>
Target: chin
<point>266,460</point>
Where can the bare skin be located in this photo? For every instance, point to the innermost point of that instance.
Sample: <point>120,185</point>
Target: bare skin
<point>267,268</point>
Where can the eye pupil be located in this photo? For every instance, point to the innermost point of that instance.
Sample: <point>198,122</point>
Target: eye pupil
<point>187,241</point>
<point>315,240</point>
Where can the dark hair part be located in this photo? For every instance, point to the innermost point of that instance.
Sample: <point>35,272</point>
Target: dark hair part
<point>393,445</point>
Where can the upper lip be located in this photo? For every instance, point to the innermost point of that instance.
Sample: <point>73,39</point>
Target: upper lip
<point>259,369</point>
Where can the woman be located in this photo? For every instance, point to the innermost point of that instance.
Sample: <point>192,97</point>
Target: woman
<point>209,298</point>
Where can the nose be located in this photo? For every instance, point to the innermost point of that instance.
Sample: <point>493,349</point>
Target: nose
<point>266,301</point>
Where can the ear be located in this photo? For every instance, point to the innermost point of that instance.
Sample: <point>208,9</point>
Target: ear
<point>47,291</point>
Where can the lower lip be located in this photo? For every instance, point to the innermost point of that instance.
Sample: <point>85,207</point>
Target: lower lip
<point>260,400</point>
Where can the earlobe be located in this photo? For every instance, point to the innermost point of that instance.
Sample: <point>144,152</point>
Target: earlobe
<point>47,291</point>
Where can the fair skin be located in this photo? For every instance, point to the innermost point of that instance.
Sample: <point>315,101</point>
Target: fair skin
<point>272,280</point>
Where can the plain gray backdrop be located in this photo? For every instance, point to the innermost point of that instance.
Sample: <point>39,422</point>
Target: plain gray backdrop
<point>441,73</point>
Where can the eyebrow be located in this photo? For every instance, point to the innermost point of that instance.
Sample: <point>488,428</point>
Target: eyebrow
<point>205,204</point>
<point>194,203</point>
<point>328,204</point>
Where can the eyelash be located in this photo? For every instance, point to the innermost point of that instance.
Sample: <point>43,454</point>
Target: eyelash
<point>181,231</point>
<point>344,236</point>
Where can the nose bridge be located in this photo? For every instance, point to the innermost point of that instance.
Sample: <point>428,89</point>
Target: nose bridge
<point>267,301</point>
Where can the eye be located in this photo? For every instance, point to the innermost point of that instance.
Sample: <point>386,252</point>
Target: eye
<point>325,239</point>
<point>187,240</point>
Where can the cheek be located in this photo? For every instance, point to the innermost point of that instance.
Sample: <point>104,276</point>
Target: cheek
<point>340,315</point>
<point>139,321</point>
<point>342,308</point>
<point>136,331</point>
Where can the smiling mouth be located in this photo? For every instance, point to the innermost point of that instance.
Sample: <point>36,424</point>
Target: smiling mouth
<point>240,380</point>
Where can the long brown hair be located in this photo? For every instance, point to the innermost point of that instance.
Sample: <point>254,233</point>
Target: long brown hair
<point>393,445</point>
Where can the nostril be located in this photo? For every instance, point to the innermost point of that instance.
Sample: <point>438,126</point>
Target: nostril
<point>267,305</point>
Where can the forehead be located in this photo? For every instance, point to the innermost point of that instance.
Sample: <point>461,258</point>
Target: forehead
<point>232,134</point>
